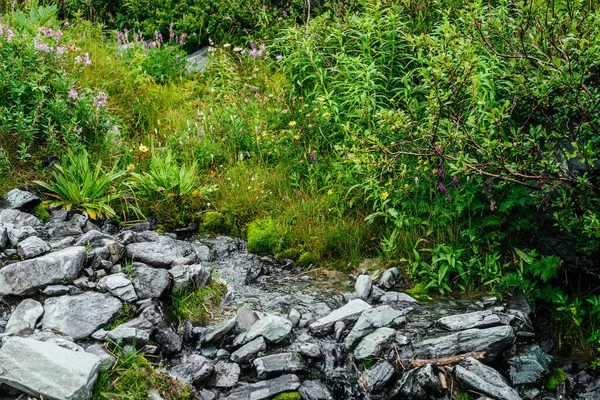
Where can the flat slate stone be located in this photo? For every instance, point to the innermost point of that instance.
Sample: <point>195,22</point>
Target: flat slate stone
<point>277,364</point>
<point>272,327</point>
<point>484,379</point>
<point>372,319</point>
<point>226,375</point>
<point>159,254</point>
<point>32,247</point>
<point>249,351</point>
<point>478,319</point>
<point>24,317</point>
<point>378,376</point>
<point>265,389</point>
<point>314,390</point>
<point>348,313</point>
<point>192,369</point>
<point>373,344</point>
<point>21,200</point>
<point>48,371</point>
<point>27,276</point>
<point>528,366</point>
<point>119,286</point>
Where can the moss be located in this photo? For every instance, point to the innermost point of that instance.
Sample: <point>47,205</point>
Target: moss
<point>288,396</point>
<point>555,379</point>
<point>262,236</point>
<point>213,221</point>
<point>42,212</point>
<point>127,314</point>
<point>418,290</point>
<point>306,259</point>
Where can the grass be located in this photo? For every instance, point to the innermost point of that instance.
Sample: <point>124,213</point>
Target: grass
<point>200,306</point>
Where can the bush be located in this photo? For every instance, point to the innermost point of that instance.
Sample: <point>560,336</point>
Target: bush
<point>263,236</point>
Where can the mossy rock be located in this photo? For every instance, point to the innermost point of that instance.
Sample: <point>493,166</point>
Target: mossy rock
<point>288,396</point>
<point>42,212</point>
<point>262,236</point>
<point>555,379</point>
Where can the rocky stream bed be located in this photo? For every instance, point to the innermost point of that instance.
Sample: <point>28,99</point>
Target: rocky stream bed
<point>62,282</point>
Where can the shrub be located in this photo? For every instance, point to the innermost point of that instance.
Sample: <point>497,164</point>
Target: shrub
<point>263,236</point>
<point>555,379</point>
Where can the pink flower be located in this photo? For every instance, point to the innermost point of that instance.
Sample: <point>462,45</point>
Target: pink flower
<point>100,99</point>
<point>73,94</point>
<point>60,50</point>
<point>85,59</point>
<point>278,57</point>
<point>183,37</point>
<point>246,100</point>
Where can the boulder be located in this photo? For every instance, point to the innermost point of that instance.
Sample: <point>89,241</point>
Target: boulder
<point>161,253</point>
<point>17,235</point>
<point>192,369</point>
<point>18,219</point>
<point>24,317</point>
<point>388,278</point>
<point>122,335</point>
<point>119,286</point>
<point>348,313</point>
<point>374,343</point>
<point>363,286</point>
<point>149,283</point>
<point>225,375</point>
<point>21,200</point>
<point>81,315</point>
<point>378,376</point>
<point>264,390</point>
<point>418,384</point>
<point>32,247</point>
<point>217,332</point>
<point>62,225</point>
<point>189,277</point>
<point>478,319</point>
<point>307,349</point>
<point>278,364</point>
<point>245,318</point>
<point>47,371</point>
<point>314,390</point>
<point>485,380</point>
<point>249,351</point>
<point>529,365</point>
<point>398,298</point>
<point>272,327</point>
<point>169,341</point>
<point>372,319</point>
<point>27,276</point>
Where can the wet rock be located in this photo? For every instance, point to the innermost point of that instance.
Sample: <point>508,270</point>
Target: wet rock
<point>277,364</point>
<point>126,335</point>
<point>107,359</point>
<point>528,366</point>
<point>363,286</point>
<point>225,375</point>
<point>46,370</point>
<point>306,349</point>
<point>18,219</point>
<point>192,369</point>
<point>294,316</point>
<point>398,298</point>
<point>81,315</point>
<point>204,394</point>
<point>198,60</point>
<point>376,295</point>
<point>272,327</point>
<point>348,313</point>
<point>189,277</point>
<point>3,237</point>
<point>223,354</point>
<point>253,272</point>
<point>372,319</point>
<point>491,340</point>
<point>25,316</point>
<point>32,247</point>
<point>388,278</point>
<point>149,283</point>
<point>378,376</point>
<point>27,276</point>
<point>160,253</point>
<point>264,390</point>
<point>373,344</point>
<point>314,390</point>
<point>217,332</point>
<point>170,342</point>
<point>17,235</point>
<point>55,290</point>
<point>20,200</point>
<point>478,319</point>
<point>338,330</point>
<point>119,286</point>
<point>249,351</point>
<point>584,386</point>
<point>484,379</point>
<point>418,384</point>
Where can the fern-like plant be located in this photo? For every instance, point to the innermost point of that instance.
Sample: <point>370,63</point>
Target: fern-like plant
<point>79,185</point>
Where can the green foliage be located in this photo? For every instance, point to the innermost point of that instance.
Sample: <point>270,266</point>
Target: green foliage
<point>288,396</point>
<point>201,305</point>
<point>213,221</point>
<point>263,236</point>
<point>127,314</point>
<point>556,378</point>
<point>79,185</point>
<point>42,212</point>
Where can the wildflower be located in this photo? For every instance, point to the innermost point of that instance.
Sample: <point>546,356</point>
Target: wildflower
<point>440,173</point>
<point>143,149</point>
<point>329,192</point>
<point>321,98</point>
<point>66,23</point>
<point>442,189</point>
<point>278,57</point>
<point>292,123</point>
<point>100,99</point>
<point>177,58</point>
<point>60,50</point>
<point>406,186</point>
<point>85,59</point>
<point>437,149</point>
<point>384,195</point>
<point>171,34</point>
<point>296,137</point>
<point>171,195</point>
<point>456,183</point>
<point>196,193</point>
<point>73,95</point>
<point>325,115</point>
<point>183,37</point>
<point>246,100</point>
<point>131,168</point>
<point>313,158</point>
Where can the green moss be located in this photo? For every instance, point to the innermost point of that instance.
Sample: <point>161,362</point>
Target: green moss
<point>127,314</point>
<point>262,236</point>
<point>418,290</point>
<point>42,212</point>
<point>306,259</point>
<point>555,379</point>
<point>288,396</point>
<point>213,221</point>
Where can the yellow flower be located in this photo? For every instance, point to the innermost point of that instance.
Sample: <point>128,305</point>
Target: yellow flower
<point>196,193</point>
<point>425,169</point>
<point>171,195</point>
<point>292,123</point>
<point>296,137</point>
<point>406,186</point>
<point>326,114</point>
<point>384,195</point>
<point>321,98</point>
<point>283,131</point>
<point>131,167</point>
<point>143,148</point>
<point>330,192</point>
<point>160,189</point>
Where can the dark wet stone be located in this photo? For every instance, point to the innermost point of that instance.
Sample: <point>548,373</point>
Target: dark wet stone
<point>388,278</point>
<point>339,329</point>
<point>307,349</point>
<point>378,376</point>
<point>348,313</point>
<point>217,332</point>
<point>149,283</point>
<point>277,364</point>
<point>21,200</point>
<point>484,379</point>
<point>478,319</point>
<point>225,375</point>
<point>264,389</point>
<point>372,319</point>
<point>249,351</point>
<point>363,286</point>
<point>192,369</point>
<point>528,366</point>
<point>374,343</point>
<point>418,384</point>
<point>170,342</point>
<point>314,390</point>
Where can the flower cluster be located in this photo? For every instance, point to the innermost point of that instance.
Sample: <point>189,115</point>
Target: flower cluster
<point>123,39</point>
<point>100,99</point>
<point>255,51</point>
<point>85,59</point>
<point>7,32</point>
<point>45,34</point>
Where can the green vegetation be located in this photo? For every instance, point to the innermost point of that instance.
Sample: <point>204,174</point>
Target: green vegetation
<point>201,305</point>
<point>288,396</point>
<point>262,236</point>
<point>555,379</point>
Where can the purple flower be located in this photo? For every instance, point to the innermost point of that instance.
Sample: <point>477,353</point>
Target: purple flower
<point>171,34</point>
<point>252,44</point>
<point>278,57</point>
<point>177,58</point>
<point>183,37</point>
<point>153,45</point>
<point>60,50</point>
<point>100,99</point>
<point>66,23</point>
<point>456,183</point>
<point>85,59</point>
<point>41,47</point>
<point>246,100</point>
<point>313,158</point>
<point>437,149</point>
<point>442,189</point>
<point>58,34</point>
<point>73,94</point>
<point>440,173</point>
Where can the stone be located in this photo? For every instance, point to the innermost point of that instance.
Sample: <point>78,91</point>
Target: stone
<point>169,341</point>
<point>418,384</point>
<point>348,313</point>
<point>127,335</point>
<point>338,330</point>
<point>18,219</point>
<point>189,277</point>
<point>206,395</point>
<point>398,297</point>
<point>217,332</point>
<point>485,380</point>
<point>81,315</point>
<point>372,319</point>
<point>17,235</point>
<point>373,344</point>
<point>55,290</point>
<point>529,365</point>
<point>388,278</point>
<point>21,200</point>
<point>278,364</point>
<point>294,316</point>
<point>47,371</point>
<point>272,327</point>
<point>149,283</point>
<point>376,295</point>
<point>378,376</point>
<point>264,390</point>
<point>249,351</point>
<point>491,340</point>
<point>119,286</point>
<point>93,238</point>
<point>192,369</point>
<point>478,319</point>
<point>160,253</point>
<point>307,349</point>
<point>363,286</point>
<point>223,354</point>
<point>198,60</point>
<point>63,341</point>
<point>32,247</point>
<point>107,359</point>
<point>24,317</point>
<point>314,390</point>
<point>59,227</point>
<point>225,375</point>
<point>3,237</point>
<point>27,276</point>
<point>245,318</point>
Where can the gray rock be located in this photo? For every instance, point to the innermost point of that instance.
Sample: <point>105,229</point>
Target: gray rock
<point>418,384</point>
<point>198,60</point>
<point>192,369</point>
<point>223,354</point>
<point>314,390</point>
<point>55,290</point>
<point>80,316</point>
<point>249,351</point>
<point>65,342</point>
<point>59,227</point>
<point>363,286</point>
<point>491,340</point>
<point>27,276</point>
<point>338,330</point>
<point>18,219</point>
<point>388,278</point>
<point>398,297</point>
<point>272,327</point>
<point>294,316</point>
<point>478,319</point>
<point>149,283</point>
<point>217,332</point>
<point>374,343</point>
<point>93,238</point>
<point>372,319</point>
<point>484,379</point>
<point>306,349</point>
<point>378,376</point>
<point>32,247</point>
<point>348,313</point>
<point>25,316</point>
<point>127,335</point>
<point>226,375</point>
<point>264,390</point>
<point>161,253</point>
<point>20,200</point>
<point>376,295</point>
<point>529,365</point>
<point>206,395</point>
<point>245,318</point>
<point>169,341</point>
<point>17,235</point>
<point>189,277</point>
<point>119,286</point>
<point>46,370</point>
<point>3,237</point>
<point>277,364</point>
<point>107,359</point>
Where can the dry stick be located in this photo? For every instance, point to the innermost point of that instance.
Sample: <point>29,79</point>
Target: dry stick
<point>447,360</point>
